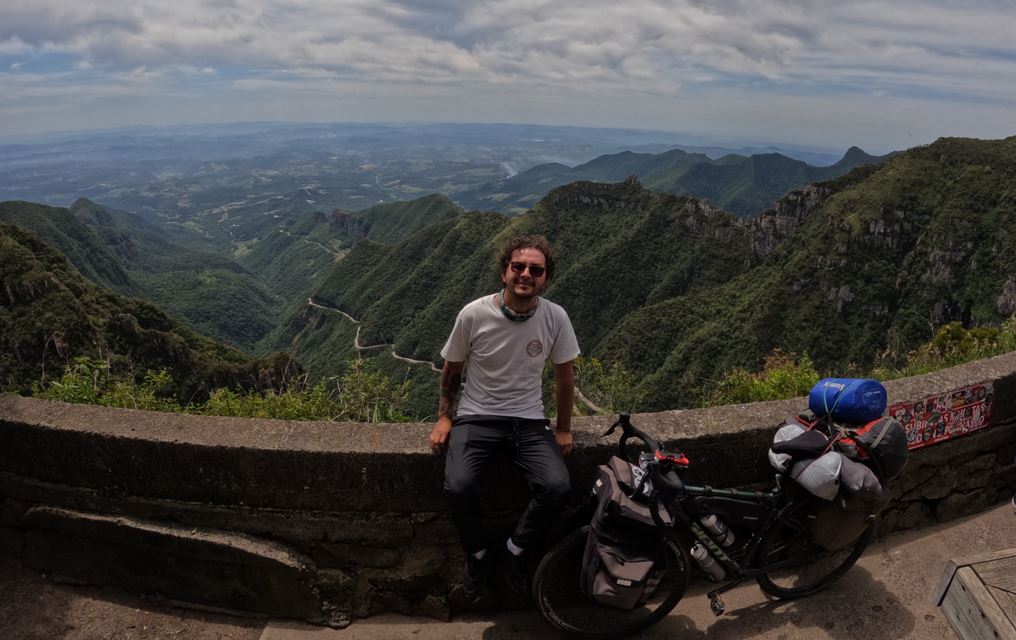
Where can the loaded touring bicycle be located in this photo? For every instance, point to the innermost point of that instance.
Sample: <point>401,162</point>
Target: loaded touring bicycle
<point>630,566</point>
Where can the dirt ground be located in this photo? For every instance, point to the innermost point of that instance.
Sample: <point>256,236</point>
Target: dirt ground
<point>887,596</point>
<point>32,607</point>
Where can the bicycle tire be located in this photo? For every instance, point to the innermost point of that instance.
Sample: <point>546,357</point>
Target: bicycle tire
<point>561,602</point>
<point>815,568</point>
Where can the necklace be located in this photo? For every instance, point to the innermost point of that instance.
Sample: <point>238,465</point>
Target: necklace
<point>513,316</point>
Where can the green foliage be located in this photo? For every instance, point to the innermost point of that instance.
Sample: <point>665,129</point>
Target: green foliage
<point>312,403</point>
<point>783,375</point>
<point>856,272</point>
<point>361,395</point>
<point>953,345</point>
<point>125,253</point>
<point>101,382</point>
<point>612,387</point>
<point>680,293</point>
<point>370,396</point>
<point>225,305</point>
<point>50,315</point>
<point>78,243</point>
<point>294,258</point>
<point>393,222</point>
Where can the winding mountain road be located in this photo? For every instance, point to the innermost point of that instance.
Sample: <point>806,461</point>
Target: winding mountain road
<point>360,347</point>
<point>337,255</point>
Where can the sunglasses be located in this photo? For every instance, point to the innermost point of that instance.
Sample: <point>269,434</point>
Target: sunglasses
<point>535,270</point>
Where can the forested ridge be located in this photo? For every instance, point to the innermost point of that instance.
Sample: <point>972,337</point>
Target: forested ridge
<point>857,272</point>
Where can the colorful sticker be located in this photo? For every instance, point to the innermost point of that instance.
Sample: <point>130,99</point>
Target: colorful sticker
<point>948,415</point>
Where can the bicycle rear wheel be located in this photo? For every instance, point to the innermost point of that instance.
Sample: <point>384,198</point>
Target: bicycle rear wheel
<point>561,601</point>
<point>801,566</point>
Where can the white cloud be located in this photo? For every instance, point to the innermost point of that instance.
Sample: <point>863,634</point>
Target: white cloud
<point>16,66</point>
<point>681,51</point>
<point>640,41</point>
<point>13,45</point>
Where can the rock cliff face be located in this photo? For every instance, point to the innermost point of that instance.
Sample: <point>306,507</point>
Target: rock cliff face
<point>772,227</point>
<point>347,225</point>
<point>1006,303</point>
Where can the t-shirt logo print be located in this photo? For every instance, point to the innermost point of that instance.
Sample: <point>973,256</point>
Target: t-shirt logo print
<point>534,348</point>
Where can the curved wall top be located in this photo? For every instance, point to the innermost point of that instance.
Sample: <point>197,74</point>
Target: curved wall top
<point>348,466</point>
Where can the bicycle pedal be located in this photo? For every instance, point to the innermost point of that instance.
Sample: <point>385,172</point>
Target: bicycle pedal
<point>716,605</point>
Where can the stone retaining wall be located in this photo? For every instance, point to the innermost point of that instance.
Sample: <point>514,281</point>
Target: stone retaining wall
<point>327,522</point>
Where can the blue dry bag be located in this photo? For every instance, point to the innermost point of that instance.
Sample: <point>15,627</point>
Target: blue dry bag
<point>852,400</point>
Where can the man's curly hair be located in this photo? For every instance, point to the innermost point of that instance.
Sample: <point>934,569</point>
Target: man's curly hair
<point>528,242</point>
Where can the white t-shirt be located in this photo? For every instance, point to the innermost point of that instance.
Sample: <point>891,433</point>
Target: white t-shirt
<point>504,359</point>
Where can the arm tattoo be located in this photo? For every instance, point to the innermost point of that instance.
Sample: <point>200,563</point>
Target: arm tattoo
<point>450,383</point>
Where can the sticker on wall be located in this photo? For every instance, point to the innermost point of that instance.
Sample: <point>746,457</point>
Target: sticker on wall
<point>948,415</point>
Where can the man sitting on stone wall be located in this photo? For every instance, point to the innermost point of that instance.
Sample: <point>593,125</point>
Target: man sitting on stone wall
<point>502,342</point>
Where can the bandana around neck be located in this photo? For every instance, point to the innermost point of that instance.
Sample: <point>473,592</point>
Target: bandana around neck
<point>511,315</point>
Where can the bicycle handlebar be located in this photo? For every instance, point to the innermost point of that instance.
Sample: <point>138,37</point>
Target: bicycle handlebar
<point>628,431</point>
<point>661,467</point>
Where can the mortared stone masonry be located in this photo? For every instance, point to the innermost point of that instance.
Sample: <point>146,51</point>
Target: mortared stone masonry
<point>326,522</point>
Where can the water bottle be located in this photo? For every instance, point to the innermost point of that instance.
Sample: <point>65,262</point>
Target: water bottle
<point>708,563</point>
<point>719,529</point>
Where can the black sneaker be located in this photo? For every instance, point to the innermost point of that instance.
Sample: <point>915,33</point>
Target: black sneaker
<point>474,575</point>
<point>516,573</point>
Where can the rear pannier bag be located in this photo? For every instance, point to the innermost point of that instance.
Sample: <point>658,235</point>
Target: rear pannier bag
<point>617,561</point>
<point>882,443</point>
<point>622,578</point>
<point>840,522</point>
<point>852,400</point>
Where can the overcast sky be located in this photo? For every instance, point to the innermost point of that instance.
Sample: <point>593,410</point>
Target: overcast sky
<point>881,75</point>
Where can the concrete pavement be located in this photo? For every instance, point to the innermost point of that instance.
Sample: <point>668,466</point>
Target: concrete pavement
<point>886,596</point>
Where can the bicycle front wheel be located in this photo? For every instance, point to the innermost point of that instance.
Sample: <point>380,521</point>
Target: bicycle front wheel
<point>800,566</point>
<point>561,601</point>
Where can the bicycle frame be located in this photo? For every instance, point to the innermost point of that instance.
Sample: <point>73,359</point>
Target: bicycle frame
<point>777,509</point>
<point>772,542</point>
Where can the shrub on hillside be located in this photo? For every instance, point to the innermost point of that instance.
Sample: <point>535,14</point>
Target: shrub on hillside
<point>953,344</point>
<point>360,395</point>
<point>110,383</point>
<point>783,375</point>
<point>612,387</point>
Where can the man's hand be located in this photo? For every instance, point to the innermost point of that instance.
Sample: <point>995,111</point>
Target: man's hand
<point>451,380</point>
<point>439,436</point>
<point>564,440</point>
<point>564,383</point>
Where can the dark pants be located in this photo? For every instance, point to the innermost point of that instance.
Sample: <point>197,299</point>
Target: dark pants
<point>472,444</point>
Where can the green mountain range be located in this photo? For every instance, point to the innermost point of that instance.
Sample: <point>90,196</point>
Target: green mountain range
<point>855,270</point>
<point>743,185</point>
<point>126,253</point>
<point>292,256</point>
<point>50,315</point>
<point>851,270</point>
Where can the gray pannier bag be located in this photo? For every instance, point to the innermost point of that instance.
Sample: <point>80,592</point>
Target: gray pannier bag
<point>617,564</point>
